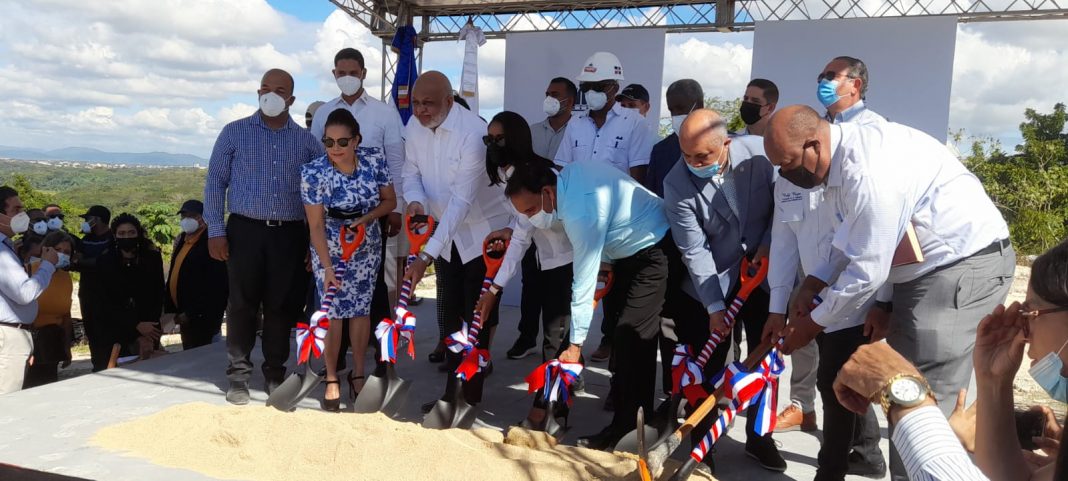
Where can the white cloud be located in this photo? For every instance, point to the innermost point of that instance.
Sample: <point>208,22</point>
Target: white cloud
<point>722,68</point>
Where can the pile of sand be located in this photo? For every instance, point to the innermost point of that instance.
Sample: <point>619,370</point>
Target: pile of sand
<point>263,444</point>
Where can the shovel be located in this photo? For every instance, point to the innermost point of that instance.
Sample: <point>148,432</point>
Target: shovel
<point>388,393</point>
<point>687,373</point>
<point>311,336</point>
<point>456,412</point>
<point>536,379</point>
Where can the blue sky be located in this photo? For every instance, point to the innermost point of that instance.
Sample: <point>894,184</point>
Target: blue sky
<point>144,75</point>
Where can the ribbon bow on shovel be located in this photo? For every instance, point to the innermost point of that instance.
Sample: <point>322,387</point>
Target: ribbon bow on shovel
<point>456,412</point>
<point>311,335</point>
<point>387,392</point>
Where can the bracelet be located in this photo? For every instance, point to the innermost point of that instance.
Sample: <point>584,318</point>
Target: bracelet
<point>423,256</point>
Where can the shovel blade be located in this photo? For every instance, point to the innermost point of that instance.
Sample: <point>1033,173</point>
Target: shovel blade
<point>629,442</point>
<point>386,394</point>
<point>454,413</point>
<point>293,390</point>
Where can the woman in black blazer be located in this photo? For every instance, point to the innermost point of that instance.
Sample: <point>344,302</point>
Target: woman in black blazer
<point>132,275</point>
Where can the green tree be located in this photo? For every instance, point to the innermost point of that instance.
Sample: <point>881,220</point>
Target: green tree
<point>160,223</point>
<point>726,108</point>
<point>1030,186</point>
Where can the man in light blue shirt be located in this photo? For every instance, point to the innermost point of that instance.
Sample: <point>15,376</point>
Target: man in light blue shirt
<point>18,293</point>
<point>609,219</point>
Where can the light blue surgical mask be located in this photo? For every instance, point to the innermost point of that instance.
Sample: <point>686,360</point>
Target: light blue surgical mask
<point>827,92</point>
<point>63,261</point>
<point>1047,373</point>
<point>706,172</point>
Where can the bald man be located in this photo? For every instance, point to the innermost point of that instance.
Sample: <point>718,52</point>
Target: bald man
<point>719,204</point>
<point>879,178</point>
<point>255,173</point>
<point>445,176</point>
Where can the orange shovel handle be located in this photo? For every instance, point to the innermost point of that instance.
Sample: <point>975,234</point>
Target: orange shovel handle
<point>348,247</point>
<point>416,240</point>
<point>751,282</point>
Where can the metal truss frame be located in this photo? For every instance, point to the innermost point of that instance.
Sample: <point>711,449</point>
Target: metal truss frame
<point>443,20</point>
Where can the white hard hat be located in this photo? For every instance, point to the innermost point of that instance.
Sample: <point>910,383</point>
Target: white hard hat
<point>601,66</point>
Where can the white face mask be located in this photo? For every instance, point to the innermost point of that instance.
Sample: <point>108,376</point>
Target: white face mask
<point>55,223</point>
<point>40,227</point>
<point>272,104</point>
<point>550,106</point>
<point>63,262</point>
<point>86,228</point>
<point>349,85</point>
<point>596,100</point>
<point>20,223</point>
<point>543,220</point>
<point>189,225</point>
<point>676,122</point>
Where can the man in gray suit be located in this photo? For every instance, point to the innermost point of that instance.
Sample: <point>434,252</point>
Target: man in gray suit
<point>719,204</point>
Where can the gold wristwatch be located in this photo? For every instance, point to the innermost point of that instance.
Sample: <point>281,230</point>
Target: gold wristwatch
<point>905,390</point>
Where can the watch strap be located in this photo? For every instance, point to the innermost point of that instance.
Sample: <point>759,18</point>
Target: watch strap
<point>883,395</point>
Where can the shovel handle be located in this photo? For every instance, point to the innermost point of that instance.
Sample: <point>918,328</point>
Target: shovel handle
<point>748,284</point>
<point>415,239</point>
<point>603,291</point>
<point>493,258</point>
<point>348,247</point>
<point>751,282</point>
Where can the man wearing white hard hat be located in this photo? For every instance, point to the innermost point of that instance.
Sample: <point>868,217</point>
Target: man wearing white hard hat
<point>606,132</point>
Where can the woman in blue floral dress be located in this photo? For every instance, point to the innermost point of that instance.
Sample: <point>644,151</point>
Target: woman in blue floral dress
<point>348,186</point>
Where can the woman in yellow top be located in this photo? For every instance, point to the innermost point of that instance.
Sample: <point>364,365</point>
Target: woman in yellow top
<point>52,327</point>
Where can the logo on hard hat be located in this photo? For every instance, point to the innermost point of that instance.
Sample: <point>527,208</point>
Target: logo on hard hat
<point>591,69</point>
<point>619,70</point>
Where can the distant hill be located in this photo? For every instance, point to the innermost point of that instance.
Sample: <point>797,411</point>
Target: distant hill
<point>82,154</point>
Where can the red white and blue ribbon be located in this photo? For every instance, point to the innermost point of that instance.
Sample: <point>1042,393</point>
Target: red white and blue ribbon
<point>687,372</point>
<point>389,332</point>
<point>465,342</point>
<point>311,335</point>
<point>746,388</point>
<point>554,378</point>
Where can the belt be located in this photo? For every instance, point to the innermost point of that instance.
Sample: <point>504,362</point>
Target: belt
<point>268,223</point>
<point>17,325</point>
<point>996,246</point>
<point>335,213</point>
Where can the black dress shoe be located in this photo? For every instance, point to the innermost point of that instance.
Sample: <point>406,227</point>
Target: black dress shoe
<point>522,348</point>
<point>602,441</point>
<point>858,466</point>
<point>438,354</point>
<point>238,393</point>
<point>763,450</point>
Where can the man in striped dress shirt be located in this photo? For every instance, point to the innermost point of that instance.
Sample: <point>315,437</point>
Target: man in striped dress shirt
<point>255,175</point>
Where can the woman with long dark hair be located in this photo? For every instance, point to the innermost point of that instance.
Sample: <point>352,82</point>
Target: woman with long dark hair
<point>546,286</point>
<point>132,277</point>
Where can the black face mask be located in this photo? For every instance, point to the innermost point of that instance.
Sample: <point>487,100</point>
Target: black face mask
<point>750,113</point>
<point>498,156</point>
<point>128,244</point>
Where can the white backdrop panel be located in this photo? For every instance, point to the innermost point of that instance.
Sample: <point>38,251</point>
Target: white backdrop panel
<point>910,63</point>
<point>532,59</point>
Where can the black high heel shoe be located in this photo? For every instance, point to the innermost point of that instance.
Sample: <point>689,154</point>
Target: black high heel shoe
<point>353,393</point>
<point>331,405</point>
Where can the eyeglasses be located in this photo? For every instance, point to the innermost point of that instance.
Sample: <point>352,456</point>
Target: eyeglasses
<point>53,216</point>
<point>1032,315</point>
<point>343,142</point>
<point>493,139</point>
<point>830,76</point>
<point>596,87</point>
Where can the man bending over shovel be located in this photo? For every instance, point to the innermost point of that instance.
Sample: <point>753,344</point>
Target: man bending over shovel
<point>611,218</point>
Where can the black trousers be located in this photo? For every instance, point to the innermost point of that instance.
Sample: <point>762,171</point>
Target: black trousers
<point>199,330</point>
<point>692,328</point>
<point>843,430</point>
<point>93,327</point>
<point>267,271</point>
<point>550,304</point>
<point>530,304</point>
<point>462,284</point>
<point>639,286</point>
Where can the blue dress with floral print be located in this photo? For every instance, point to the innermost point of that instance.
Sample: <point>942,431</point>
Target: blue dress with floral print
<point>322,184</point>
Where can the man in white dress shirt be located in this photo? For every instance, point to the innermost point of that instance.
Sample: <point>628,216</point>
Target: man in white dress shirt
<point>18,293</point>
<point>606,132</point>
<point>879,178</point>
<point>802,240</point>
<point>445,176</point>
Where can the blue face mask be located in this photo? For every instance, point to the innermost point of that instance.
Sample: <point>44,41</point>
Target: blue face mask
<point>827,92</point>
<point>706,172</point>
<point>1047,373</point>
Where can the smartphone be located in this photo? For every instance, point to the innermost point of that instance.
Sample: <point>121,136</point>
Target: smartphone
<point>1029,425</point>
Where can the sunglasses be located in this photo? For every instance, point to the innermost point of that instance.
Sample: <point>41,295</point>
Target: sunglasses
<point>491,139</point>
<point>343,142</point>
<point>830,76</point>
<point>53,216</point>
<point>596,87</point>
